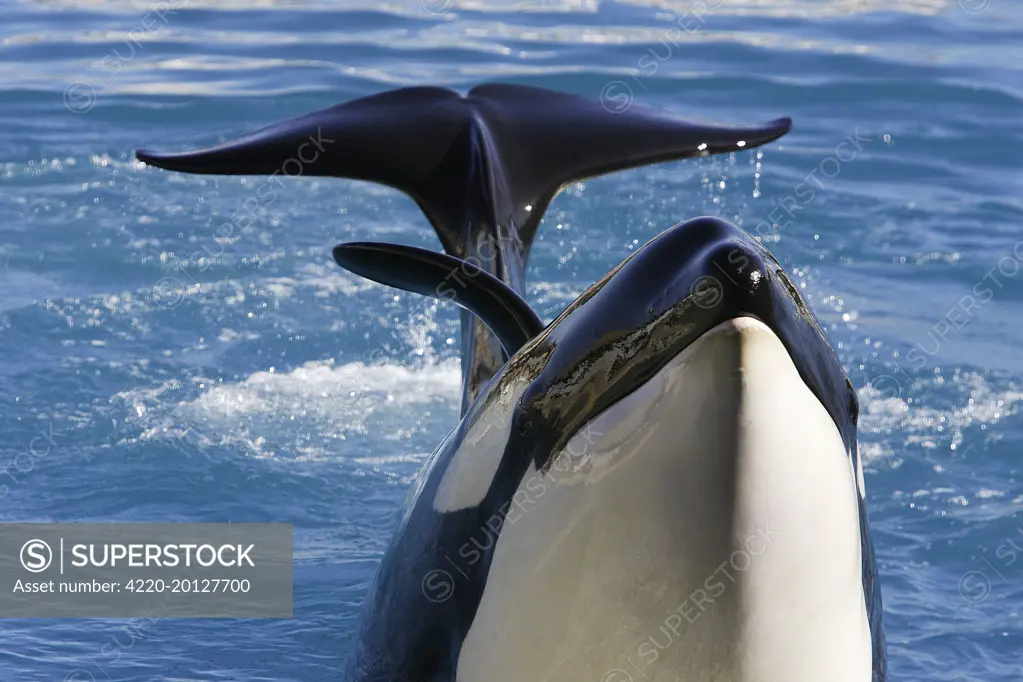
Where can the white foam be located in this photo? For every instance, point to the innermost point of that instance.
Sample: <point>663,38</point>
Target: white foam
<point>306,413</point>
<point>330,281</point>
<point>227,335</point>
<point>889,422</point>
<point>322,388</point>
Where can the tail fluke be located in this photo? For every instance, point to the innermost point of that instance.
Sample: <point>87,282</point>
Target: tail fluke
<point>442,276</point>
<point>497,155</point>
<point>547,140</point>
<point>483,167</point>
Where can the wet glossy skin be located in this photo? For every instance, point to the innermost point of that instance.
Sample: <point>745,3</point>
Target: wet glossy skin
<point>610,341</point>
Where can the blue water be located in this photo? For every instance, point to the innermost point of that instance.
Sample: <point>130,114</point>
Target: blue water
<point>178,377</point>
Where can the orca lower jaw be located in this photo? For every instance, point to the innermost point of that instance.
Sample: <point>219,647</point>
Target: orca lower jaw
<point>706,527</point>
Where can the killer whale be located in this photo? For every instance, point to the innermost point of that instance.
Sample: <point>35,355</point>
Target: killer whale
<point>701,304</point>
<point>539,430</point>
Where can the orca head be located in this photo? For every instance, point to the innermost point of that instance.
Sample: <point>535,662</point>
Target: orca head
<point>631,323</point>
<point>604,361</point>
<point>623,422</point>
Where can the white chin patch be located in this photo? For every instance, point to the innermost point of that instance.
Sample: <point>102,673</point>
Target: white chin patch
<point>704,528</point>
<point>471,469</point>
